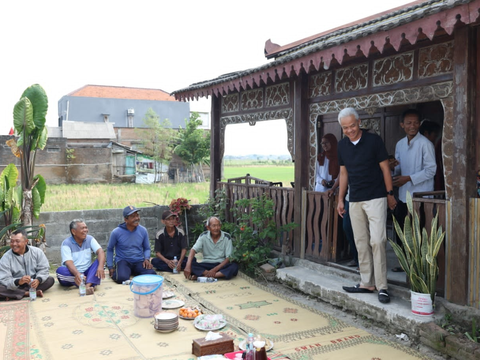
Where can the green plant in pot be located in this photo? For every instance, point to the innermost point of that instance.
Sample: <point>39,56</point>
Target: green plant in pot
<point>418,257</point>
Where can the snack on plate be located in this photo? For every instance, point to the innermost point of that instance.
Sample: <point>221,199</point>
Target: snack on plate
<point>189,312</point>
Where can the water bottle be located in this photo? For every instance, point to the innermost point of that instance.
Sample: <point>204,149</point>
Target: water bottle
<point>249,348</point>
<point>82,288</point>
<point>32,292</point>
<point>175,262</point>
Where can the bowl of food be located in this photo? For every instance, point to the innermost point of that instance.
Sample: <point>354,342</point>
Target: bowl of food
<point>189,313</point>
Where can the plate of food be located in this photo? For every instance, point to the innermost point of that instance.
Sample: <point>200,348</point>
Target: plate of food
<point>167,294</point>
<point>209,322</point>
<point>268,344</point>
<point>189,313</point>
<point>172,304</point>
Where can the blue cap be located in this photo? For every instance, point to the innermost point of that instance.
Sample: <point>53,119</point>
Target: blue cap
<point>129,210</point>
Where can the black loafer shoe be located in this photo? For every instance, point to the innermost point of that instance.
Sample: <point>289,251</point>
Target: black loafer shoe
<point>383,296</point>
<point>356,289</point>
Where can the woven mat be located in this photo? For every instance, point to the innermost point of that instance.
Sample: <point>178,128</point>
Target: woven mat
<point>63,325</point>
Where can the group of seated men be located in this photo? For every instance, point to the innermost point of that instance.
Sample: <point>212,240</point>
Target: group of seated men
<point>128,254</point>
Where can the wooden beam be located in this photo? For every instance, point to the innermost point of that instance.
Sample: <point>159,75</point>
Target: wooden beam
<point>302,151</point>
<point>464,184</point>
<point>215,156</point>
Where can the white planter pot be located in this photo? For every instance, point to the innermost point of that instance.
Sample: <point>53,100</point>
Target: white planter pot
<point>422,304</point>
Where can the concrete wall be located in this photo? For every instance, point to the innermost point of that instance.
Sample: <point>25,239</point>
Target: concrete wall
<point>100,224</point>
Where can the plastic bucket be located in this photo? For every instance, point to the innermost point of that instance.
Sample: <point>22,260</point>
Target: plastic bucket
<point>147,298</point>
<point>421,304</point>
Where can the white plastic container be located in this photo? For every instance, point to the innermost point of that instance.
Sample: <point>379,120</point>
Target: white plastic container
<point>147,298</point>
<point>421,304</point>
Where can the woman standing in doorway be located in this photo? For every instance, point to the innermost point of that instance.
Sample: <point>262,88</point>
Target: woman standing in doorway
<point>327,168</point>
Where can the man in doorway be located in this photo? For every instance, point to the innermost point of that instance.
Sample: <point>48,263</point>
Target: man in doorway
<point>415,166</point>
<point>170,242</point>
<point>433,132</point>
<point>23,267</point>
<point>216,247</point>
<point>130,242</point>
<point>364,167</point>
<point>76,253</point>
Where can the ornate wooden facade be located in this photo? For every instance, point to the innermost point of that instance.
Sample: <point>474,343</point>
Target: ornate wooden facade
<point>425,54</point>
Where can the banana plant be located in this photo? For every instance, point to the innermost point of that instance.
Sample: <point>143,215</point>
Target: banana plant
<point>10,199</point>
<point>29,117</point>
<point>418,257</point>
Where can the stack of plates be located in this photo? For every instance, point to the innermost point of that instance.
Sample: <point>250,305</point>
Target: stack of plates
<point>166,322</point>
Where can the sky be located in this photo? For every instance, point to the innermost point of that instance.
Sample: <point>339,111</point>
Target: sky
<point>158,44</point>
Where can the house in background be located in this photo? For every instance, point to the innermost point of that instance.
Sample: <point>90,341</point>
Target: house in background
<point>125,107</point>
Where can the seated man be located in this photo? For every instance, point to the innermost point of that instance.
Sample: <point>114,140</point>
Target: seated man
<point>216,247</point>
<point>170,242</point>
<point>77,258</point>
<point>130,242</point>
<point>23,267</point>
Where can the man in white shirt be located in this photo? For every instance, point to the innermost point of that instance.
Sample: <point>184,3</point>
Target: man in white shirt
<point>415,165</point>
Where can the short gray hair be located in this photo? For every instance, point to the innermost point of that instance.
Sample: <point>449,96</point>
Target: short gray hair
<point>347,112</point>
<point>73,224</point>
<point>213,218</point>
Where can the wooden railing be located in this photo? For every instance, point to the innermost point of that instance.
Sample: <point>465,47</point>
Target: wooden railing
<point>320,224</point>
<point>282,198</point>
<point>427,205</point>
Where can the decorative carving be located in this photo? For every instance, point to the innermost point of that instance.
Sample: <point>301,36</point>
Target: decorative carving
<point>286,114</point>
<point>320,84</point>
<point>447,144</point>
<point>277,95</point>
<point>393,69</point>
<point>371,124</point>
<point>371,111</point>
<point>351,78</point>
<point>230,103</point>
<point>251,99</point>
<point>435,60</point>
<point>441,91</point>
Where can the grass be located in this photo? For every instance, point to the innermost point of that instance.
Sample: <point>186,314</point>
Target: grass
<point>117,196</point>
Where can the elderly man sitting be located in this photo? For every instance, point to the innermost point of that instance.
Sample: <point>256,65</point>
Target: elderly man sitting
<point>76,253</point>
<point>216,247</point>
<point>23,267</point>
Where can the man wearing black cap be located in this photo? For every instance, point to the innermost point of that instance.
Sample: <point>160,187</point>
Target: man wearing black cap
<point>132,248</point>
<point>170,242</point>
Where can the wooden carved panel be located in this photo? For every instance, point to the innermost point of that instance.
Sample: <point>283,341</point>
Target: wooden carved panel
<point>251,99</point>
<point>393,69</point>
<point>440,91</point>
<point>435,60</point>
<point>351,78</point>
<point>277,95</point>
<point>286,114</point>
<point>230,103</point>
<point>320,84</point>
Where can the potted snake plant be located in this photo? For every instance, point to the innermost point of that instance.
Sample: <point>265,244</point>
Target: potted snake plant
<point>418,257</point>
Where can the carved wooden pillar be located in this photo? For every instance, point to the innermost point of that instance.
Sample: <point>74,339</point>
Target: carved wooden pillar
<point>215,154</point>
<point>301,136</point>
<point>463,182</point>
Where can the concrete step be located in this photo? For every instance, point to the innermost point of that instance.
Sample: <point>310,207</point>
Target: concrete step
<point>325,282</point>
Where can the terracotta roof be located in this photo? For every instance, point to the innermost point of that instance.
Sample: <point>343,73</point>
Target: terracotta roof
<point>402,26</point>
<point>122,92</point>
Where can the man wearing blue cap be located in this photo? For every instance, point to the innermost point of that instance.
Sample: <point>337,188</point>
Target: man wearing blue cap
<point>130,242</point>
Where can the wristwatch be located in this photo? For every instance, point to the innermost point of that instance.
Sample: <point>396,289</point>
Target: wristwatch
<point>390,192</point>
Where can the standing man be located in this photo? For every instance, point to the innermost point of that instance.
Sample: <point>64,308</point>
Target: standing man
<point>76,253</point>
<point>364,167</point>
<point>170,242</point>
<point>415,165</point>
<point>216,247</point>
<point>130,242</point>
<point>23,267</point>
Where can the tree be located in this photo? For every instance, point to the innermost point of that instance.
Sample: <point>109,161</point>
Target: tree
<point>29,117</point>
<point>156,139</point>
<point>193,145</point>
